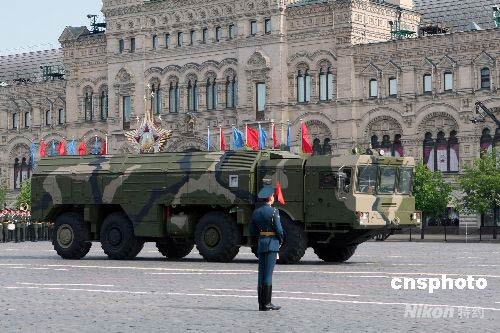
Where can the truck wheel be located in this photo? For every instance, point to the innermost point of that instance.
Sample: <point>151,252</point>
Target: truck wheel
<point>217,237</point>
<point>331,253</point>
<point>117,238</point>
<point>71,236</point>
<point>295,243</point>
<point>173,249</point>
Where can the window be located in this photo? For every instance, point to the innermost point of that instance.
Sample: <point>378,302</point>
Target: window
<point>267,26</point>
<point>156,101</point>
<point>218,34</point>
<point>192,37</point>
<point>405,180</point>
<point>485,78</point>
<point>27,120</point>
<point>180,36</point>
<point>393,87</point>
<point>367,179</point>
<point>231,92</point>
<point>14,121</point>
<point>303,87</point>
<point>173,94</point>
<point>387,182</point>
<point>232,31</point>
<point>121,45</point>
<point>373,93</point>
<point>127,111</point>
<point>132,44</point>
<point>89,112</point>
<point>427,83</point>
<point>155,42</point>
<point>261,96</point>
<point>104,105</point>
<point>448,81</point>
<point>442,154</point>
<point>48,118</point>
<point>211,94</point>
<point>253,28</point>
<point>325,85</point>
<point>61,117</point>
<point>167,41</point>
<point>205,35</point>
<point>192,95</point>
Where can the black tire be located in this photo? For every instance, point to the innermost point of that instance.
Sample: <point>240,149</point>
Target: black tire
<point>217,237</point>
<point>295,243</point>
<point>71,236</point>
<point>117,238</point>
<point>330,253</point>
<point>173,249</point>
<point>254,251</point>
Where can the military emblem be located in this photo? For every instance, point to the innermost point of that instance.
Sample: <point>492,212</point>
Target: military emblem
<point>148,138</point>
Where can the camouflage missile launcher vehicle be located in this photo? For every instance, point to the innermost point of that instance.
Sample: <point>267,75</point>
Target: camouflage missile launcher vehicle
<point>179,200</point>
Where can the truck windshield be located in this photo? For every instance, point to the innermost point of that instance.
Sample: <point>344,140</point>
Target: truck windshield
<point>387,180</point>
<point>405,180</point>
<point>367,179</point>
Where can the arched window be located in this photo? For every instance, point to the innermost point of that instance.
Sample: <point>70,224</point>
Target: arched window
<point>174,97</point>
<point>27,119</point>
<point>397,146</point>
<point>104,104</point>
<point>485,78</point>
<point>192,95</point>
<point>373,88</point>
<point>218,34</point>
<point>48,118</point>
<point>374,142</point>
<point>156,99</point>
<point>303,87</point>
<point>486,142</point>
<point>211,94</point>
<point>393,87</point>
<point>386,143</point>
<point>442,154</point>
<point>89,105</point>
<point>61,117</point>
<point>326,85</point>
<point>231,92</point>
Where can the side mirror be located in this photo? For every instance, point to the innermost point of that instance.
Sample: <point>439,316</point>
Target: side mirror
<point>341,185</point>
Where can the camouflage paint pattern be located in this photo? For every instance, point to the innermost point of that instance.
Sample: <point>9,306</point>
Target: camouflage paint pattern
<point>167,193</point>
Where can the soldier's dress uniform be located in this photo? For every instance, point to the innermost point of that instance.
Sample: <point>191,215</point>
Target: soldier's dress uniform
<point>267,225</point>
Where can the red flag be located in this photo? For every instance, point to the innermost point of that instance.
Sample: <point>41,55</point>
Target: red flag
<point>222,140</point>
<point>61,148</point>
<point>104,150</point>
<point>43,147</point>
<point>306,142</point>
<point>276,142</point>
<point>279,194</point>
<point>252,138</point>
<point>82,149</point>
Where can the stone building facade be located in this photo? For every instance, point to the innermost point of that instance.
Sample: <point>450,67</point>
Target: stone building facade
<point>331,64</point>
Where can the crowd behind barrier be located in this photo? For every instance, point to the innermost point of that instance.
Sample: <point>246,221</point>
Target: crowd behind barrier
<point>16,226</point>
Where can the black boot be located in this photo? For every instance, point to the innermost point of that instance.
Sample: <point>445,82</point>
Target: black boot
<point>268,292</point>
<point>262,299</point>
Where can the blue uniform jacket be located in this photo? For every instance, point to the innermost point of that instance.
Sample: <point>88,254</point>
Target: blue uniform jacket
<point>262,220</point>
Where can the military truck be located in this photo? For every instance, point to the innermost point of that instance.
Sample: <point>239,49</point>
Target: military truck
<point>178,200</point>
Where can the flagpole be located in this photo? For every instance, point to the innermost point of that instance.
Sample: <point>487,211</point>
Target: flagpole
<point>301,141</point>
<point>106,142</point>
<point>208,138</point>
<point>220,137</point>
<point>272,132</point>
<point>246,135</point>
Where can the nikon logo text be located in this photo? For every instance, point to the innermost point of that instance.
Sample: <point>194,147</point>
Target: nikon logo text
<point>443,283</point>
<point>422,311</point>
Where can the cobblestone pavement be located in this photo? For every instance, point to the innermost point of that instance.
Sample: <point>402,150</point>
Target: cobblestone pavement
<point>42,293</point>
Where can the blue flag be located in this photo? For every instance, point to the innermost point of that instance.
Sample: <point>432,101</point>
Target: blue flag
<point>53,148</point>
<point>262,138</point>
<point>32,155</point>
<point>238,141</point>
<point>289,136</point>
<point>72,147</point>
<point>208,139</point>
<point>97,147</point>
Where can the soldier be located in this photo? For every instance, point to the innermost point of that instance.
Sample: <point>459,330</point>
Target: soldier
<point>266,223</point>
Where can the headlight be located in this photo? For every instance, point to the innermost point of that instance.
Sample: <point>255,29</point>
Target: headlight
<point>363,217</point>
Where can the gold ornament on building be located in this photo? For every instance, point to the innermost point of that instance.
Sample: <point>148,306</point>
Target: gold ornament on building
<point>148,138</point>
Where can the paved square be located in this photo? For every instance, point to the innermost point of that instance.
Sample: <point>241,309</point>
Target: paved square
<point>41,292</point>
